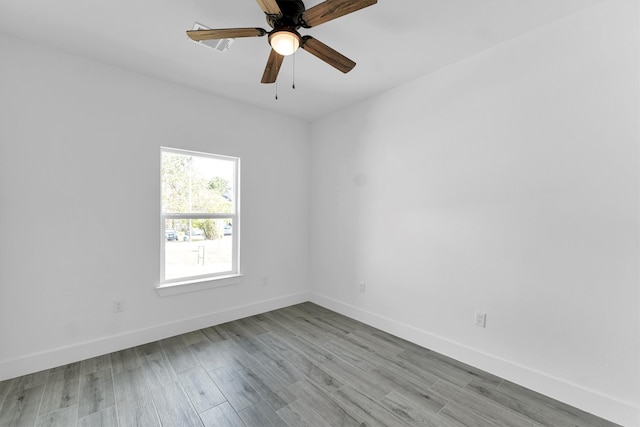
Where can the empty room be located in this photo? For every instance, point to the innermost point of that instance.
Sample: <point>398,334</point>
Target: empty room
<point>320,213</point>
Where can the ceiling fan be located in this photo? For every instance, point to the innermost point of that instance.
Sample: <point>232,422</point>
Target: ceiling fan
<point>286,17</point>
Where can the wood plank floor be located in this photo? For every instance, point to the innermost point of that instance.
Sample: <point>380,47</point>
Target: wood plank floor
<point>298,366</point>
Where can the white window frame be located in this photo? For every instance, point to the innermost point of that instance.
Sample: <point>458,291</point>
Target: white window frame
<point>211,280</point>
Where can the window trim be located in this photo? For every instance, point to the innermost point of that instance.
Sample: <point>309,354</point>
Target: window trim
<point>205,281</point>
<point>187,286</point>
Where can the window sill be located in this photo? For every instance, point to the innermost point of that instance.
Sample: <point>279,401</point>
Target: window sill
<point>187,286</point>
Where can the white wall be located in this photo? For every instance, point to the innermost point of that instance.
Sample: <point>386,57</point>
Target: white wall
<point>79,206</point>
<point>508,184</point>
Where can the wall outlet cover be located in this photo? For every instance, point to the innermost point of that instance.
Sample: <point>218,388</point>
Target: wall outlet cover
<point>481,320</point>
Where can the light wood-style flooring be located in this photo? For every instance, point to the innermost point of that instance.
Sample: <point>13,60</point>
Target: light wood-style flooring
<point>298,366</point>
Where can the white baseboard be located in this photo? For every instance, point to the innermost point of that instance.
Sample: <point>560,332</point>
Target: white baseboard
<point>623,413</point>
<point>73,353</point>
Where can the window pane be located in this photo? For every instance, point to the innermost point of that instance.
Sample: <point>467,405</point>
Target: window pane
<point>197,247</point>
<point>197,184</point>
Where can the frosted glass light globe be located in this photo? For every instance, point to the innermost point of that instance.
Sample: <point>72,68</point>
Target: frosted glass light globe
<point>284,42</point>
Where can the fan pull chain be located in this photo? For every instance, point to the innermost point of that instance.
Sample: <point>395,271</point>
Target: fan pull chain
<point>294,71</point>
<point>276,90</point>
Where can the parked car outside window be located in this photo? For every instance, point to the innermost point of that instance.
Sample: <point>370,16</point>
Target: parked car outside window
<point>170,234</point>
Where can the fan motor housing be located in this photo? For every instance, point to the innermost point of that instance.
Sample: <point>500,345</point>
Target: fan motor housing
<point>291,11</point>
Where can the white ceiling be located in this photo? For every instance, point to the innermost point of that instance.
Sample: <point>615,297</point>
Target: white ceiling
<point>392,42</point>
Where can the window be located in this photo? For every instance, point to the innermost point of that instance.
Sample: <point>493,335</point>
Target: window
<point>200,220</point>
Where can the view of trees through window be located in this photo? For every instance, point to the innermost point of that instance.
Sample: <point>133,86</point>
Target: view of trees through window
<point>199,211</point>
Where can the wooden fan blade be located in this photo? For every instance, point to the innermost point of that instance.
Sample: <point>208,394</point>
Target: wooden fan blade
<point>225,33</point>
<point>270,7</point>
<point>332,9</point>
<point>273,67</point>
<point>328,55</point>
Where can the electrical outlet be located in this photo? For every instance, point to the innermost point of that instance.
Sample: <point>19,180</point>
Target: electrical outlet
<point>118,306</point>
<point>481,320</point>
<point>265,281</point>
<point>362,287</point>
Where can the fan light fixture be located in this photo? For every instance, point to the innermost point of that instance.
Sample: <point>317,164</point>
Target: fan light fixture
<point>286,17</point>
<point>284,42</point>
